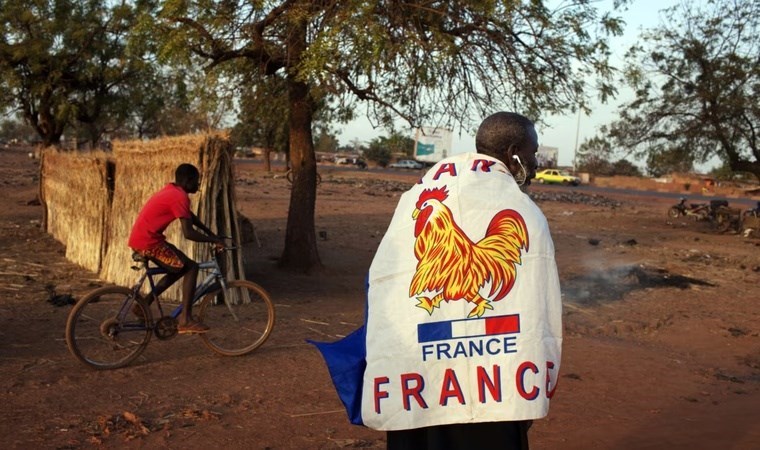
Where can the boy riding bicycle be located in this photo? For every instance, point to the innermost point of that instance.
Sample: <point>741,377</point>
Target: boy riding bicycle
<point>147,238</point>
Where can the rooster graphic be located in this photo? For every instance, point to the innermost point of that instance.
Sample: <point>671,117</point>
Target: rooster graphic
<point>453,267</point>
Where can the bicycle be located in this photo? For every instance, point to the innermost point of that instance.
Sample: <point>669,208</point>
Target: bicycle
<point>111,326</point>
<point>289,176</point>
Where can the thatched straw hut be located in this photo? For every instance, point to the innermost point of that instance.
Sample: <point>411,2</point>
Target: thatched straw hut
<point>76,190</point>
<point>108,190</point>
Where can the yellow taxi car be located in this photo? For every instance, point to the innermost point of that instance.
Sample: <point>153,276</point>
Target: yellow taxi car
<point>557,176</point>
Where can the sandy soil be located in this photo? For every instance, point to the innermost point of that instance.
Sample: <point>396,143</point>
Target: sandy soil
<point>662,346</point>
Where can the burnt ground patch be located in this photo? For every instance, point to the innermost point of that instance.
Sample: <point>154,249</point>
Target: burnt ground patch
<point>611,285</point>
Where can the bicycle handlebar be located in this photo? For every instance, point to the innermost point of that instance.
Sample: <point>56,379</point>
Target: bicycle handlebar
<point>219,250</point>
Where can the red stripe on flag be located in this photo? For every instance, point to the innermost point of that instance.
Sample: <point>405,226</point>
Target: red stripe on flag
<point>503,324</point>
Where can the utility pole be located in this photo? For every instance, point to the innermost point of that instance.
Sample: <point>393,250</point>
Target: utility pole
<point>577,132</point>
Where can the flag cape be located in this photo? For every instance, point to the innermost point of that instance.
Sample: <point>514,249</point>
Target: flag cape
<point>345,361</point>
<point>467,236</point>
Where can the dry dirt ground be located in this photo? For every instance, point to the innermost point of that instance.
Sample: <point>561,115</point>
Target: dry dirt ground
<point>662,342</point>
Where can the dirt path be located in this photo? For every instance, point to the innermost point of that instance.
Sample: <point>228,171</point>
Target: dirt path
<point>662,343</point>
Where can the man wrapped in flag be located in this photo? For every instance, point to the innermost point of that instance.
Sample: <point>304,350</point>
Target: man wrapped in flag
<point>462,341</point>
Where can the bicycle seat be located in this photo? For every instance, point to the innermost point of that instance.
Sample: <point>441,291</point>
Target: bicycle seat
<point>138,258</point>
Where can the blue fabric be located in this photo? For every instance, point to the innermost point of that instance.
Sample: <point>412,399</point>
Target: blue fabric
<point>345,360</point>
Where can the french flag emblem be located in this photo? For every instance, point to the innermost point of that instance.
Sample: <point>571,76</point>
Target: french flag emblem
<point>468,328</point>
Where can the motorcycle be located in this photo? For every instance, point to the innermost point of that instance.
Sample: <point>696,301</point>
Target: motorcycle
<point>700,211</point>
<point>750,223</point>
<point>754,212</point>
<point>717,212</point>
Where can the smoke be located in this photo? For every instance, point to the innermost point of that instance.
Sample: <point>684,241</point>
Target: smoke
<point>604,284</point>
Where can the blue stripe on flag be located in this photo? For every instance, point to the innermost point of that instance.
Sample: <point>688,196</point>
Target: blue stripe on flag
<point>468,328</point>
<point>433,331</point>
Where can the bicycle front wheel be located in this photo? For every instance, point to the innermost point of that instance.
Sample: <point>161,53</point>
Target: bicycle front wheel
<point>240,318</point>
<point>106,331</point>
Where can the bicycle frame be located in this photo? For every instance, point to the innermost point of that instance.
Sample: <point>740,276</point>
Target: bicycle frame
<point>204,287</point>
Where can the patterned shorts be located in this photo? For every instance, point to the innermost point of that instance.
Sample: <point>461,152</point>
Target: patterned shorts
<point>165,255</point>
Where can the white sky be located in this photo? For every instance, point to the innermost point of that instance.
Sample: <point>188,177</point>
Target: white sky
<point>561,130</point>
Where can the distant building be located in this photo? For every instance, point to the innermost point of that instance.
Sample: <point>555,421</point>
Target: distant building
<point>547,157</point>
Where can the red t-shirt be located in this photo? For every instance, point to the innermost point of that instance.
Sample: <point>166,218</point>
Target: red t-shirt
<point>171,202</point>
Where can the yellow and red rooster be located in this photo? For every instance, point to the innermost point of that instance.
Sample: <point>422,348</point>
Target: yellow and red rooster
<point>454,267</point>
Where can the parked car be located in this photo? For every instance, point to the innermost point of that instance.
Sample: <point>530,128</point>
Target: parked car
<point>351,160</point>
<point>557,176</point>
<point>406,164</point>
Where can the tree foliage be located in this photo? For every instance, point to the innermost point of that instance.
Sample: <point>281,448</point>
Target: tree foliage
<point>399,143</point>
<point>594,155</point>
<point>422,61</point>
<point>263,115</point>
<point>14,130</point>
<point>326,142</point>
<point>378,152</point>
<point>697,80</point>
<point>66,62</point>
<point>661,162</point>
<point>166,101</point>
<point>597,156</point>
<point>382,149</point>
<point>626,168</point>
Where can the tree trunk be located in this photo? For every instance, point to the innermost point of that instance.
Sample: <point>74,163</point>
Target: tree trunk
<point>44,122</point>
<point>47,129</point>
<point>93,135</point>
<point>736,161</point>
<point>300,251</point>
<point>267,155</point>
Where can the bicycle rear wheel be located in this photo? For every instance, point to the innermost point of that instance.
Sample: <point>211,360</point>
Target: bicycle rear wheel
<point>105,331</point>
<point>240,318</point>
<point>289,176</point>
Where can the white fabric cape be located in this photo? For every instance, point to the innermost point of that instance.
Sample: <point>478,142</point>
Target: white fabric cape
<point>425,369</point>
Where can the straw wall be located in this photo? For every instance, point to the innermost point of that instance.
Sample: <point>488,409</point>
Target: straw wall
<point>75,192</point>
<point>141,168</point>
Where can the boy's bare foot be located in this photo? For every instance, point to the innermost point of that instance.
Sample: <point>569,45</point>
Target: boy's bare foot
<point>192,328</point>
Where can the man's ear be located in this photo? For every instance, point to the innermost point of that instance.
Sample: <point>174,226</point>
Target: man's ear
<point>509,158</point>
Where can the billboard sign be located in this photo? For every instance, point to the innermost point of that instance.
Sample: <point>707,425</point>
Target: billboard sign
<point>432,144</point>
<point>547,157</point>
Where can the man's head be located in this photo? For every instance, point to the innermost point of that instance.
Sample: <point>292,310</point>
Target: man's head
<point>187,177</point>
<point>512,139</point>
